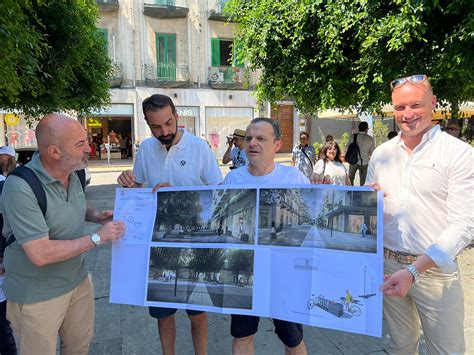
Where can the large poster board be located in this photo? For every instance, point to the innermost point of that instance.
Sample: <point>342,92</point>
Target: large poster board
<point>306,253</point>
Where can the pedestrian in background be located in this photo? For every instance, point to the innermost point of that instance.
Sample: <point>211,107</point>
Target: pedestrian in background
<point>330,169</point>
<point>366,145</point>
<point>427,179</point>
<point>304,155</point>
<point>235,152</point>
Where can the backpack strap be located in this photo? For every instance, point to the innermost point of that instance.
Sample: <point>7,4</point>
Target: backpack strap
<point>358,149</point>
<point>81,174</point>
<point>35,184</point>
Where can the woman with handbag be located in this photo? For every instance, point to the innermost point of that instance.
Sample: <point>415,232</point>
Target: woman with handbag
<point>330,169</point>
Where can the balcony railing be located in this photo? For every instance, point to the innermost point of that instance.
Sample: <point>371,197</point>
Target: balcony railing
<point>216,10</point>
<point>166,8</point>
<point>116,75</point>
<point>167,75</point>
<point>227,78</point>
<point>108,5</point>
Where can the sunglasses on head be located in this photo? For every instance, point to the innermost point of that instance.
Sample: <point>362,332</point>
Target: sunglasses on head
<point>414,79</point>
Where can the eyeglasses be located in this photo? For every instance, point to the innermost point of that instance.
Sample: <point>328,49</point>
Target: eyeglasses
<point>414,79</point>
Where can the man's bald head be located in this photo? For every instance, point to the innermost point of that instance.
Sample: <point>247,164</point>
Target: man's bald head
<point>53,129</point>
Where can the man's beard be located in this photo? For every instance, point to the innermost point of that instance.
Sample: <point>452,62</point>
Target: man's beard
<point>71,164</point>
<point>168,141</point>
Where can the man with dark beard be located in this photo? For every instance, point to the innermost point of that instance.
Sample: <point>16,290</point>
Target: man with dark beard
<point>172,157</point>
<point>48,288</point>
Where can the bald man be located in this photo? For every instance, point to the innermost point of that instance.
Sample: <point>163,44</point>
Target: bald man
<point>48,288</point>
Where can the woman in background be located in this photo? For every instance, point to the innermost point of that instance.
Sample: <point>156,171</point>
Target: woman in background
<point>330,169</point>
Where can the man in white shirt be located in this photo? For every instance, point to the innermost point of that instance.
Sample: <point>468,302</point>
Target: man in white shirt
<point>427,179</point>
<point>262,141</point>
<point>235,151</point>
<point>172,157</point>
<point>366,146</point>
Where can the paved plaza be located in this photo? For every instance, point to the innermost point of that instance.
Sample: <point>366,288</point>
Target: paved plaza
<point>125,329</point>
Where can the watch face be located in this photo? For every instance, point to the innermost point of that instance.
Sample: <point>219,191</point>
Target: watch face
<point>95,238</point>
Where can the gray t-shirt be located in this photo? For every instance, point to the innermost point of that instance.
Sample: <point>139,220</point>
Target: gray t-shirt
<point>65,216</point>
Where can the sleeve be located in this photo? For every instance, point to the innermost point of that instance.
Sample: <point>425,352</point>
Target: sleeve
<point>460,205</point>
<point>318,167</point>
<point>23,217</point>
<point>371,174</point>
<point>138,170</point>
<point>210,171</point>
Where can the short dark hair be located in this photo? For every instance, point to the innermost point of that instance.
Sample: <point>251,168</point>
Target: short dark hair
<point>304,134</point>
<point>363,126</point>
<point>274,123</point>
<point>392,134</point>
<point>328,145</point>
<point>157,102</point>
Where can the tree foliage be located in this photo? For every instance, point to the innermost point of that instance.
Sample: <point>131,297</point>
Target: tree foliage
<point>52,57</point>
<point>181,208</point>
<point>240,262</point>
<point>343,53</point>
<point>207,260</point>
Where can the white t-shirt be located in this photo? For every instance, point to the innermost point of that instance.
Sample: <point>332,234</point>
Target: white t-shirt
<point>188,163</point>
<point>336,170</point>
<point>282,174</point>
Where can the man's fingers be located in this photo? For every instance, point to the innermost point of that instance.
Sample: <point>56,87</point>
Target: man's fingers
<point>160,185</point>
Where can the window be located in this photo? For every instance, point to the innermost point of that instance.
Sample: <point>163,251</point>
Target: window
<point>166,56</point>
<point>104,34</point>
<point>224,52</point>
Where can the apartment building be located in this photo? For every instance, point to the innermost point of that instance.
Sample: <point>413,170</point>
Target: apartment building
<point>184,49</point>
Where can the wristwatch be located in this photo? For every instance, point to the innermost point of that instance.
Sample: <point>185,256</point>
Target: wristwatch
<point>414,272</point>
<point>95,238</point>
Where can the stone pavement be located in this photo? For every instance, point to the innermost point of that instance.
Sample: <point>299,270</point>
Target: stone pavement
<point>123,329</point>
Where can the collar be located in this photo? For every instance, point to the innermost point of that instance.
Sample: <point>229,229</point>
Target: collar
<point>36,165</point>
<point>428,136</point>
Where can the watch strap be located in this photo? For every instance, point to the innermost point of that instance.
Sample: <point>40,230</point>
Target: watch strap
<point>414,272</point>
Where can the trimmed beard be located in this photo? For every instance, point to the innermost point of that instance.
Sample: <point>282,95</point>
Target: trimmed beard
<point>168,141</point>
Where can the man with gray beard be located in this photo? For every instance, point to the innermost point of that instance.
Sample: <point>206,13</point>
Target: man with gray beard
<point>48,288</point>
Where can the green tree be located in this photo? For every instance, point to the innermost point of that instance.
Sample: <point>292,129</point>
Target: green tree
<point>207,260</point>
<point>380,132</point>
<point>52,57</point>
<point>182,207</point>
<point>171,259</point>
<point>342,54</point>
<point>240,262</point>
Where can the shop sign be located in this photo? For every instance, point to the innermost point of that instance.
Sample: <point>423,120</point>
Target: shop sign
<point>12,119</point>
<point>94,122</point>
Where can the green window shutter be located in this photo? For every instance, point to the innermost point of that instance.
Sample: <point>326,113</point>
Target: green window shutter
<point>237,49</point>
<point>166,56</point>
<point>215,52</point>
<point>104,34</point>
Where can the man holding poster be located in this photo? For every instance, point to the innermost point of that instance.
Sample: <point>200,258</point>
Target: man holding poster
<point>426,176</point>
<point>262,141</point>
<point>172,157</point>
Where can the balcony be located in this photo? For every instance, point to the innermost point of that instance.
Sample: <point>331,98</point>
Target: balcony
<point>167,75</point>
<point>229,78</point>
<point>216,11</point>
<point>116,75</point>
<point>108,5</point>
<point>166,8</point>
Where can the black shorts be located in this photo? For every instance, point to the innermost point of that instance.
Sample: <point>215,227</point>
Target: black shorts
<point>291,334</point>
<point>162,313</point>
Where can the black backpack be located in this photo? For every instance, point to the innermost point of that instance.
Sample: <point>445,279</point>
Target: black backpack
<point>353,152</point>
<point>35,184</point>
